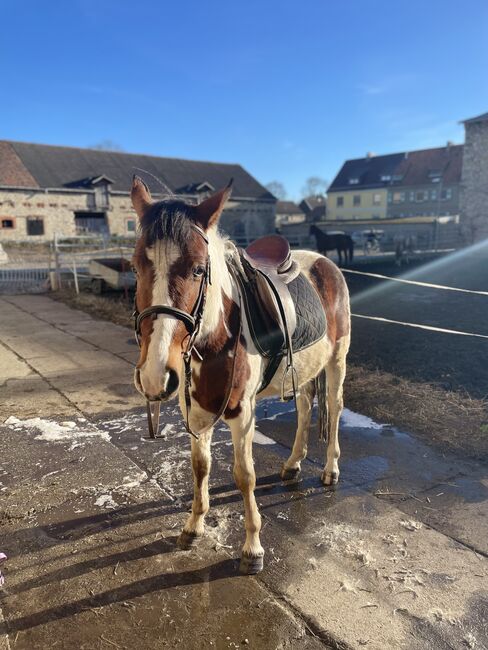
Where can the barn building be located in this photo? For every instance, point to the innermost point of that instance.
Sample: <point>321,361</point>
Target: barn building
<point>47,189</point>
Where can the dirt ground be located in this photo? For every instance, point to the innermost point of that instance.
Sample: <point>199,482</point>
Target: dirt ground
<point>453,362</point>
<point>431,384</point>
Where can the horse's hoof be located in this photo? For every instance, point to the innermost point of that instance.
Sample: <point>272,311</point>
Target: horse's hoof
<point>288,473</point>
<point>330,478</point>
<point>187,540</point>
<point>251,565</point>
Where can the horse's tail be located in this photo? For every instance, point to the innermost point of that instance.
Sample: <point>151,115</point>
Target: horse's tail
<point>323,413</point>
<point>350,244</point>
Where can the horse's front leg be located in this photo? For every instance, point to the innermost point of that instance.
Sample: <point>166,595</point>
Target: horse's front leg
<point>201,461</point>
<point>242,428</point>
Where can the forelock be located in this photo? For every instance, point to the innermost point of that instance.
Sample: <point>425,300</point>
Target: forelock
<point>167,220</point>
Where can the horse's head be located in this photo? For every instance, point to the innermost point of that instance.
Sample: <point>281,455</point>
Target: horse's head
<point>171,260</point>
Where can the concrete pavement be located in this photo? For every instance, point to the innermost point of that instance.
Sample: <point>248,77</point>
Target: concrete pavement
<point>395,557</point>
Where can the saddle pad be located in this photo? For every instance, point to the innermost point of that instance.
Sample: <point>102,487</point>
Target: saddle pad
<point>311,322</point>
<point>269,340</point>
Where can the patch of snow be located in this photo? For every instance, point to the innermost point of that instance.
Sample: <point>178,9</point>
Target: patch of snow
<point>132,481</point>
<point>261,439</point>
<point>358,421</point>
<point>470,640</point>
<point>346,540</point>
<point>411,524</point>
<point>105,501</point>
<point>51,431</point>
<point>273,408</point>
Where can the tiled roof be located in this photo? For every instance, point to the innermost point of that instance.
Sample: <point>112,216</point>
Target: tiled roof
<point>58,167</point>
<point>401,169</point>
<point>419,167</point>
<point>309,203</point>
<point>479,118</point>
<point>288,207</point>
<point>368,172</point>
<point>12,171</point>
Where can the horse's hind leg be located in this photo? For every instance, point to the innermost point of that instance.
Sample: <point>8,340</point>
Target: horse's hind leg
<point>201,462</point>
<point>242,428</point>
<point>291,467</point>
<point>336,373</point>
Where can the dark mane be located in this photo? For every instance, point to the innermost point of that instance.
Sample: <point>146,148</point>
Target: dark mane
<point>170,220</point>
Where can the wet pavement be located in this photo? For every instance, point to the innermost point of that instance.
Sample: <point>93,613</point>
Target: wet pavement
<point>393,557</point>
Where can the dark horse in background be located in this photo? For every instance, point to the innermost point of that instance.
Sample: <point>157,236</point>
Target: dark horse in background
<point>340,242</point>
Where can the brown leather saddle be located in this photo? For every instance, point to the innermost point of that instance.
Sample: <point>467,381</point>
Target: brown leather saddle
<point>273,293</point>
<point>270,256</point>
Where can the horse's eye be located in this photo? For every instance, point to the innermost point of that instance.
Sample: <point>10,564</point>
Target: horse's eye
<point>198,271</point>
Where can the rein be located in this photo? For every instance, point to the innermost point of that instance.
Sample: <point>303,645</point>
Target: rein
<point>192,321</point>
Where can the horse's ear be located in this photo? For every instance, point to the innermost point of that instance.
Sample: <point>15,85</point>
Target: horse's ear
<point>208,212</point>
<point>140,196</point>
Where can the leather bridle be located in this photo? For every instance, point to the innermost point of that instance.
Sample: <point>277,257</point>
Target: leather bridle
<point>192,321</point>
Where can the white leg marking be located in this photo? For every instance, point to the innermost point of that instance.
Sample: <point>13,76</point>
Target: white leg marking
<point>299,451</point>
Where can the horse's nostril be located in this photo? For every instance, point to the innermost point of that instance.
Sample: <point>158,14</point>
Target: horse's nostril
<point>173,382</point>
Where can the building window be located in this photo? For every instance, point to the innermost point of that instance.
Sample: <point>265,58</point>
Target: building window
<point>340,201</point>
<point>422,195</point>
<point>8,223</point>
<point>398,197</point>
<point>35,226</point>
<point>353,181</point>
<point>386,178</point>
<point>356,199</point>
<point>446,194</point>
<point>131,225</point>
<point>412,196</point>
<point>376,199</point>
<point>376,216</point>
<point>433,195</point>
<point>102,196</point>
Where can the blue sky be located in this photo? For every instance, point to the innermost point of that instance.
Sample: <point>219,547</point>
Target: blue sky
<point>288,89</point>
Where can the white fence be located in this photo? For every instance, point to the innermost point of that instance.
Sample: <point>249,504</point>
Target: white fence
<point>24,280</point>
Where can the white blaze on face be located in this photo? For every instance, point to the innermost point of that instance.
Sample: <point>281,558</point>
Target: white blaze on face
<point>153,374</point>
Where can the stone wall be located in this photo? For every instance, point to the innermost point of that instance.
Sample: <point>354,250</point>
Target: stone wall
<point>246,219</point>
<point>474,195</point>
<point>55,209</point>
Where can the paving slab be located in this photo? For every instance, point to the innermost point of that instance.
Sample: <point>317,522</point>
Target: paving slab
<point>93,559</point>
<point>394,557</point>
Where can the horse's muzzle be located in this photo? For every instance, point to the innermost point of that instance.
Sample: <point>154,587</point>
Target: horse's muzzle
<point>169,386</point>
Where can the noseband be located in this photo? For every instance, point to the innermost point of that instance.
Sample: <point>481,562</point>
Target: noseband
<point>192,321</point>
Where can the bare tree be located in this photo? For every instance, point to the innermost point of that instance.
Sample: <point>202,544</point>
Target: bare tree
<point>277,189</point>
<point>107,145</point>
<point>315,185</point>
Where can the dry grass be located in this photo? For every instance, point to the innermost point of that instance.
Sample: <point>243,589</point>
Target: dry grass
<point>450,418</point>
<point>114,309</point>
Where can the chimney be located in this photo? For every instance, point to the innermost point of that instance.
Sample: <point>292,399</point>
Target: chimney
<point>406,155</point>
<point>370,154</point>
<point>449,144</point>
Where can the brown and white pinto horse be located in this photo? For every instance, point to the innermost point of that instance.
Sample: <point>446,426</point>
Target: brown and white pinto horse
<point>170,258</point>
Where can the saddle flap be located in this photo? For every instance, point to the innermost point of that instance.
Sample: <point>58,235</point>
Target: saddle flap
<point>277,301</point>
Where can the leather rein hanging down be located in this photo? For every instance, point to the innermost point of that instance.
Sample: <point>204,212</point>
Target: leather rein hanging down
<point>192,321</point>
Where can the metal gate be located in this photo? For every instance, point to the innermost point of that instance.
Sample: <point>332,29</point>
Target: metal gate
<point>24,280</point>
